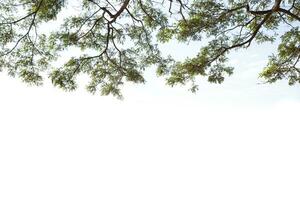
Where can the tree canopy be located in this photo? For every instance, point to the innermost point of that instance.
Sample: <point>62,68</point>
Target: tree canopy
<point>118,39</point>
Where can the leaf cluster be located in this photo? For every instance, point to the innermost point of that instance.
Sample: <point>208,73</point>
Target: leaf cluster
<point>119,40</point>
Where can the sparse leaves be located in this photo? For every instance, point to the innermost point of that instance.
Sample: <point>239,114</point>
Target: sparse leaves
<point>118,40</point>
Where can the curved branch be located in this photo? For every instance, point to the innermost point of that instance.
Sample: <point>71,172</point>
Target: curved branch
<point>289,13</point>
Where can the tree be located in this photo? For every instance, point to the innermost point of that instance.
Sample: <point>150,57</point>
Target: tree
<point>118,39</point>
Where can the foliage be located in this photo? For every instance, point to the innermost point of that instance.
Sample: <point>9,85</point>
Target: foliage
<point>118,39</point>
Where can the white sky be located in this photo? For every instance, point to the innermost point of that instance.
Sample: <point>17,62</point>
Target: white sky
<point>238,140</point>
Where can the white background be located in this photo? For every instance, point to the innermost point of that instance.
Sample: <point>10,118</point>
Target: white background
<point>56,145</point>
